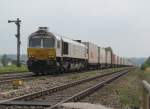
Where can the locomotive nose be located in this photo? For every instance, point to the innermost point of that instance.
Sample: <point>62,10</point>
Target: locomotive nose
<point>42,53</point>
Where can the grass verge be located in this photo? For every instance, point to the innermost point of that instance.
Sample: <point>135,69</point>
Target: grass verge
<point>123,93</point>
<point>130,89</point>
<point>12,69</point>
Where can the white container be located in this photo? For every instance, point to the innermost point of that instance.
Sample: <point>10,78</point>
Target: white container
<point>102,55</point>
<point>113,59</point>
<point>108,57</point>
<point>92,52</point>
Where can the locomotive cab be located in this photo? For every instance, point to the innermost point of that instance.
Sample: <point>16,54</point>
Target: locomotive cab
<point>41,51</point>
<point>41,47</point>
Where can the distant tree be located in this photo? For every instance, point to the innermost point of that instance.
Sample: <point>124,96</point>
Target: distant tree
<point>5,60</point>
<point>146,64</point>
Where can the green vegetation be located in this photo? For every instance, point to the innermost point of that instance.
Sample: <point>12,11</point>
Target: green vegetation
<point>5,60</point>
<point>130,88</point>
<point>146,64</point>
<point>13,68</point>
<point>8,65</point>
<point>129,95</point>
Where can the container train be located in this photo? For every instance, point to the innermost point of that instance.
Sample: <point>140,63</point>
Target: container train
<point>52,53</point>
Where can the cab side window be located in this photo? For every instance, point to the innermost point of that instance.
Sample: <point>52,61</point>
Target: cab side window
<point>65,48</point>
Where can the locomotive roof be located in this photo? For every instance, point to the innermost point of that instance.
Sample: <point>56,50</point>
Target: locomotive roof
<point>58,37</point>
<point>66,39</point>
<point>42,33</point>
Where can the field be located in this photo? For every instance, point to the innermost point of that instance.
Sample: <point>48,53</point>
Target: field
<point>13,69</point>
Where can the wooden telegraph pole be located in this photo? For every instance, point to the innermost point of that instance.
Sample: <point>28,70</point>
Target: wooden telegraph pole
<point>17,22</point>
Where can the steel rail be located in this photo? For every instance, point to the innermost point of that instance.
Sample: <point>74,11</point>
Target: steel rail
<point>15,77</point>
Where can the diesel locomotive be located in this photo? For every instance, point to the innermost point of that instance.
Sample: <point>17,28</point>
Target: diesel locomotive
<point>49,52</point>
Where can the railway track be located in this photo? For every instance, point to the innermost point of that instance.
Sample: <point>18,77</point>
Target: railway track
<point>54,97</point>
<point>6,78</point>
<point>10,77</point>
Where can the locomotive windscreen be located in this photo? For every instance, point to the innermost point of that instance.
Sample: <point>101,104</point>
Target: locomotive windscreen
<point>48,43</point>
<point>35,42</point>
<point>41,43</point>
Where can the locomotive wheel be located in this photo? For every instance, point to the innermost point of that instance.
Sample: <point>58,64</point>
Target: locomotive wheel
<point>62,70</point>
<point>37,73</point>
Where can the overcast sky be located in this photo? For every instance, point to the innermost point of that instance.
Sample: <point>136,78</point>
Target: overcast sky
<point>122,24</point>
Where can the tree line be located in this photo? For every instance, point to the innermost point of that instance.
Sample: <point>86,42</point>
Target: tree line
<point>5,60</point>
<point>146,64</point>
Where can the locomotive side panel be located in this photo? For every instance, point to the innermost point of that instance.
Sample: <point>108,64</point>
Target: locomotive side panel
<point>74,49</point>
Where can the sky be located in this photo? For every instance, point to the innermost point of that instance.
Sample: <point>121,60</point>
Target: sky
<point>122,24</point>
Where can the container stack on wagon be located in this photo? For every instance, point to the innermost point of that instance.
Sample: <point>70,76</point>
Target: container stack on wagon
<point>92,55</point>
<point>108,57</point>
<point>102,57</point>
<point>113,60</point>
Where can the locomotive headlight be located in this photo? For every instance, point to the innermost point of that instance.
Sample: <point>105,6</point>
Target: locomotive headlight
<point>31,56</point>
<point>51,57</point>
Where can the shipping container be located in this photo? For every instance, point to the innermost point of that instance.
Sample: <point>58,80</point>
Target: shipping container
<point>102,56</point>
<point>108,57</point>
<point>113,59</point>
<point>121,61</point>
<point>92,53</point>
<point>116,59</point>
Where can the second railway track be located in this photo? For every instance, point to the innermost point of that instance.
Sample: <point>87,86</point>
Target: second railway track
<point>53,97</point>
<point>6,78</point>
<point>10,77</point>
